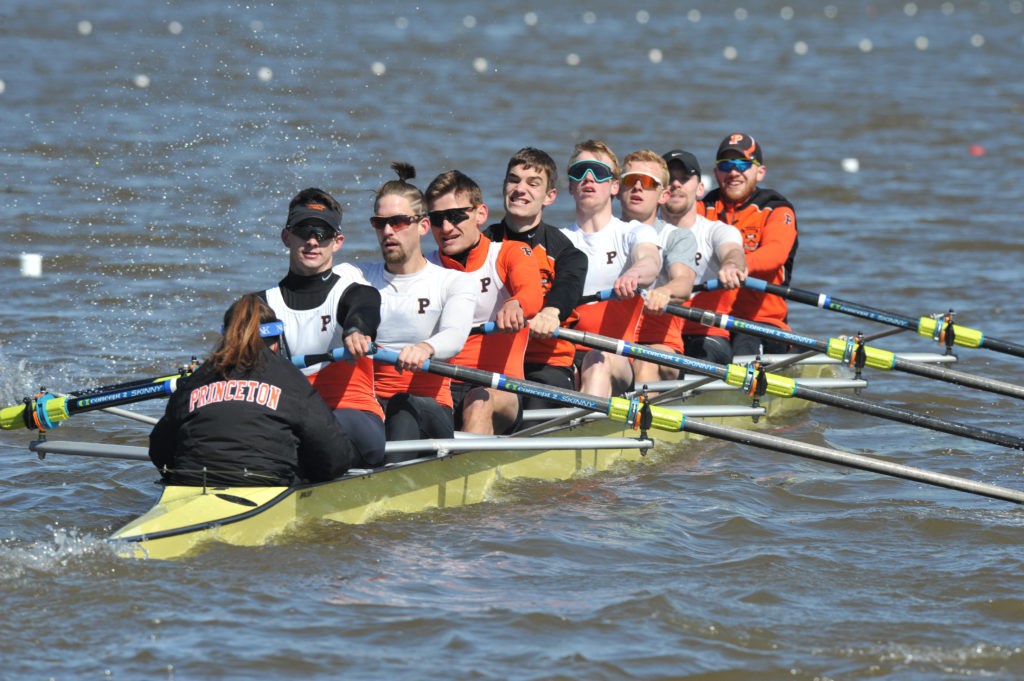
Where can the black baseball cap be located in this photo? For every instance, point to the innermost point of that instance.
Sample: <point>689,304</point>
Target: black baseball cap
<point>305,212</point>
<point>739,145</point>
<point>688,160</point>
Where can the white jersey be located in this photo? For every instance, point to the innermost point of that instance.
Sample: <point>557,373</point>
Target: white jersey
<point>434,305</point>
<point>608,251</point>
<point>710,235</point>
<point>315,330</point>
<point>489,290</point>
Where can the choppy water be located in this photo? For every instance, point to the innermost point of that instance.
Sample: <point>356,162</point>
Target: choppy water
<point>148,155</point>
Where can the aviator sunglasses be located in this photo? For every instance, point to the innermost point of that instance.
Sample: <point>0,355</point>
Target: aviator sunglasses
<point>646,180</point>
<point>317,231</point>
<point>738,164</point>
<point>600,171</point>
<point>399,222</point>
<point>452,215</point>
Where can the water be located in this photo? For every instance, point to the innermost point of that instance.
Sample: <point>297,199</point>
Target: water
<point>150,163</point>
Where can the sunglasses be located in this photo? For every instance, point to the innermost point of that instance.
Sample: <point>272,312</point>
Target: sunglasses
<point>399,222</point>
<point>317,231</point>
<point>600,171</point>
<point>739,164</point>
<point>452,215</point>
<point>646,180</point>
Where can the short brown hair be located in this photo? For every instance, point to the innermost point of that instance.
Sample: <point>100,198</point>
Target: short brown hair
<point>454,182</point>
<point>531,157</point>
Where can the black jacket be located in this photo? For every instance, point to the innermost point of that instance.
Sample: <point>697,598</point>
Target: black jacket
<point>267,426</point>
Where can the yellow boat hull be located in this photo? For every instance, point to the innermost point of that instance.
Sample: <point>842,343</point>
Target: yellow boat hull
<point>186,518</point>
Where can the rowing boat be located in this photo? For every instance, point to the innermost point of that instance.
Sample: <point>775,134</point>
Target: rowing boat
<point>465,469</point>
<point>454,473</point>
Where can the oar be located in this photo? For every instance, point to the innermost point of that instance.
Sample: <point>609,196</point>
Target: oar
<point>847,351</point>
<point>628,411</point>
<point>774,366</point>
<point>753,380</point>
<point>936,329</point>
<point>46,411</point>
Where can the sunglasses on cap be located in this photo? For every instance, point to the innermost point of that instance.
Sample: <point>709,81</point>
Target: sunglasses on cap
<point>727,165</point>
<point>399,222</point>
<point>600,171</point>
<point>452,215</point>
<point>646,180</point>
<point>318,231</point>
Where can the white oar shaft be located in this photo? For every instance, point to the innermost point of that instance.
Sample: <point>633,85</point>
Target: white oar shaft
<point>851,460</point>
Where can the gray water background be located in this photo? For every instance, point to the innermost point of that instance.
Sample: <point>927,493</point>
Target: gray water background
<point>147,160</point>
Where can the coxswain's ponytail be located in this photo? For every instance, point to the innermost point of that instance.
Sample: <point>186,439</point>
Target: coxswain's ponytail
<point>241,342</point>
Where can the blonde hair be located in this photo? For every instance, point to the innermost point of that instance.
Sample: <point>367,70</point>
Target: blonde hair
<point>648,156</point>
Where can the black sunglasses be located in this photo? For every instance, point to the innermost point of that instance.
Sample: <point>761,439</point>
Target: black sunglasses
<point>452,215</point>
<point>320,232</point>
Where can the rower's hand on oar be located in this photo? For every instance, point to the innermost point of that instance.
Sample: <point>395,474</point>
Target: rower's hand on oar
<point>730,276</point>
<point>358,345</point>
<point>545,323</point>
<point>626,286</point>
<point>655,300</point>
<point>412,357</point>
<point>510,317</point>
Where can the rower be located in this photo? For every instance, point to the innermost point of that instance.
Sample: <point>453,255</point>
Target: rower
<point>529,187</point>
<point>767,224</point>
<point>508,292</point>
<point>643,189</point>
<point>426,313</point>
<point>719,254</point>
<point>621,256</point>
<point>246,416</point>
<point>324,307</point>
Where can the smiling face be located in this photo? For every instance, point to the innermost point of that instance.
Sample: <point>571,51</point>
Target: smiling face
<point>458,237</point>
<point>736,186</point>
<point>526,195</point>
<point>641,191</point>
<point>309,256</point>
<point>399,243</point>
<point>592,197</point>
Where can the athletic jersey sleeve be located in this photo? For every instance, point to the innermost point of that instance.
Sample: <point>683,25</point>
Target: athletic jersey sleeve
<point>641,233</point>
<point>518,269</point>
<point>456,316</point>
<point>359,308</point>
<point>777,238</point>
<point>680,247</point>
<point>570,273</point>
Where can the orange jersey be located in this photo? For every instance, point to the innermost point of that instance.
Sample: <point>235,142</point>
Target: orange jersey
<point>612,318</point>
<point>388,383</point>
<point>506,271</point>
<point>345,385</point>
<point>767,223</point>
<point>665,329</point>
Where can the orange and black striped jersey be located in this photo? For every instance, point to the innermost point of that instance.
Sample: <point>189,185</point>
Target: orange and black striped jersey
<point>505,271</point>
<point>767,223</point>
<point>563,269</point>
